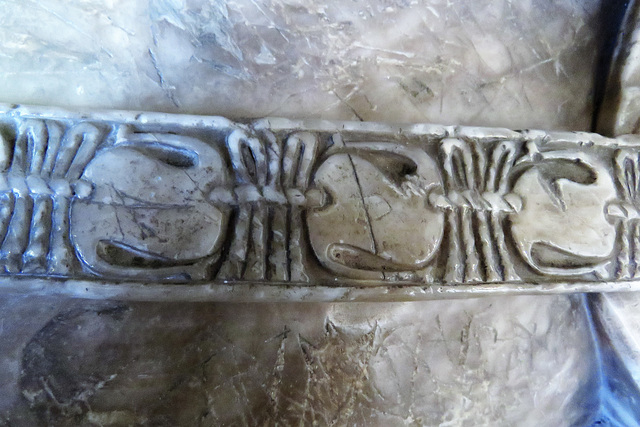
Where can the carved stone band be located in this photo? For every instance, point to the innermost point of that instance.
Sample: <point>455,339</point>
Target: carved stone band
<point>156,206</point>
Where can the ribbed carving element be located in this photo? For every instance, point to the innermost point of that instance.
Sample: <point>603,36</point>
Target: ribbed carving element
<point>626,212</point>
<point>41,173</point>
<point>477,200</point>
<point>270,194</point>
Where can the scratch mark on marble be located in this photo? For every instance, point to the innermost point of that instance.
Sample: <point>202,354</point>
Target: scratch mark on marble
<point>274,26</point>
<point>168,90</point>
<point>379,49</point>
<point>349,106</point>
<point>274,391</point>
<point>71,24</point>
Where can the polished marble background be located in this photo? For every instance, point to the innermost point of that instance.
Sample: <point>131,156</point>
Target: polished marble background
<point>530,361</point>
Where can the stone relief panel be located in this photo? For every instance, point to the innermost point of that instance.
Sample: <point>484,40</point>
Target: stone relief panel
<point>184,199</point>
<point>562,228</point>
<point>377,219</point>
<point>149,212</point>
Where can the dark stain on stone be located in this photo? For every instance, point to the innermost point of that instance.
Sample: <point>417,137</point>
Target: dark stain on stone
<point>62,369</point>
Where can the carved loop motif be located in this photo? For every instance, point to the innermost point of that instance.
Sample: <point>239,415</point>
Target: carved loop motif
<point>378,219</point>
<point>149,209</point>
<point>134,201</point>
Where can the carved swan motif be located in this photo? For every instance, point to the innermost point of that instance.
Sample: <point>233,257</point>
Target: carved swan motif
<point>150,213</point>
<point>377,219</point>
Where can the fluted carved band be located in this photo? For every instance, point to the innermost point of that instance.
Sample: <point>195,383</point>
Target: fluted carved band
<point>159,206</point>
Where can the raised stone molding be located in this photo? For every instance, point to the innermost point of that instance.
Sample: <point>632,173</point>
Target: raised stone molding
<point>152,206</point>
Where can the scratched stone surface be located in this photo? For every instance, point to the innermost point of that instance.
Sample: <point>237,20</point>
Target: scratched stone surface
<point>498,361</point>
<point>514,64</point>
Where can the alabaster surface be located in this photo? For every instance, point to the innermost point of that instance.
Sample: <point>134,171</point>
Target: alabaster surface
<point>520,360</point>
